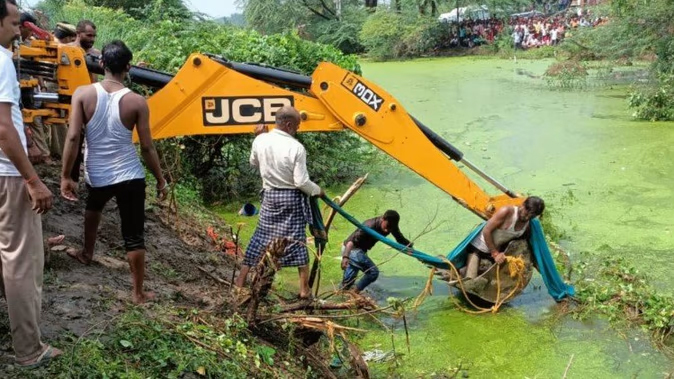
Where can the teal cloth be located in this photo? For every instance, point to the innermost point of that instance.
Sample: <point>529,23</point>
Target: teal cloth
<point>317,226</point>
<point>460,253</point>
<point>425,258</point>
<point>544,262</point>
<point>546,265</point>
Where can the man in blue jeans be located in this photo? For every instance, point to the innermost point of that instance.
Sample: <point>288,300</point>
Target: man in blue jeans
<point>355,247</point>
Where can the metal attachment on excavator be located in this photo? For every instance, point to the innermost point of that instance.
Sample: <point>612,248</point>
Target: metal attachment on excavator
<point>392,107</point>
<point>360,119</point>
<point>196,61</point>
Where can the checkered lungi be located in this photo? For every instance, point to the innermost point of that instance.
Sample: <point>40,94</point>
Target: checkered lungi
<point>283,213</point>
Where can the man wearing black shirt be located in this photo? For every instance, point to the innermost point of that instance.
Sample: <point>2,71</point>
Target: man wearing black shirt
<point>355,247</point>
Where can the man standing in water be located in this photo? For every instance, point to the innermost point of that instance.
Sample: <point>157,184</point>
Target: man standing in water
<point>355,247</point>
<point>110,112</point>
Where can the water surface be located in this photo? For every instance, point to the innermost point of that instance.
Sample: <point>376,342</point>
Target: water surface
<point>607,183</point>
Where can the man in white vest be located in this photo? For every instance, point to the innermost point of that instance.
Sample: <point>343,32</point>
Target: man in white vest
<point>111,111</point>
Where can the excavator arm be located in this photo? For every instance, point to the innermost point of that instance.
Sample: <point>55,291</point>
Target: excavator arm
<point>210,95</point>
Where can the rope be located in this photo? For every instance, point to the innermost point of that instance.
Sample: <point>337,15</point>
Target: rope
<point>516,268</point>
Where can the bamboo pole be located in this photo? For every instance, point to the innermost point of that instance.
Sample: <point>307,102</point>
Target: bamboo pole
<point>315,273</point>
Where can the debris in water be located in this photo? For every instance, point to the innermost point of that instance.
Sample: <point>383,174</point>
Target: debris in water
<point>378,356</point>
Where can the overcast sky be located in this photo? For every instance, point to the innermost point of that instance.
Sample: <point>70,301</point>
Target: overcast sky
<point>214,8</point>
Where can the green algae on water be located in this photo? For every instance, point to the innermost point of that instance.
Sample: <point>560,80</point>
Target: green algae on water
<point>606,179</point>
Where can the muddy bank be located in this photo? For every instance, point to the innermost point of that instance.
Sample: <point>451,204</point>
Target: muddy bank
<point>78,299</point>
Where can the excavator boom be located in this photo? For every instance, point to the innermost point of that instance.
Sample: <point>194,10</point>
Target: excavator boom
<point>210,95</point>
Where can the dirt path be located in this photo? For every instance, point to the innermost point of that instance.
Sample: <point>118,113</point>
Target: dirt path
<point>78,299</point>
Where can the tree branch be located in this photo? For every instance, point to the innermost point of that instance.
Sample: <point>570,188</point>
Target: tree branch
<point>317,13</point>
<point>328,8</point>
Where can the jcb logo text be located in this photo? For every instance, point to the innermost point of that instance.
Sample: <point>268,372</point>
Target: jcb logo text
<point>222,111</point>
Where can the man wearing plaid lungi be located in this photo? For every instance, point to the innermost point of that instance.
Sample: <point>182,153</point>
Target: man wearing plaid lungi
<point>282,161</point>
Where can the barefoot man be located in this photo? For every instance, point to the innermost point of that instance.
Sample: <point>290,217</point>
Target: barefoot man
<point>110,112</point>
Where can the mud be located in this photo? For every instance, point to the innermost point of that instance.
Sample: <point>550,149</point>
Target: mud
<point>79,300</point>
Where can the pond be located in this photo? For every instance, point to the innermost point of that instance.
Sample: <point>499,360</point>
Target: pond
<point>607,184</point>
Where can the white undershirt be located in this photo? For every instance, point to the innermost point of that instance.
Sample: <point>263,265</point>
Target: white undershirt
<point>10,93</point>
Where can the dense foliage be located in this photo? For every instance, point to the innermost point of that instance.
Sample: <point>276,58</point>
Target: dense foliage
<point>315,20</point>
<point>221,163</point>
<point>637,30</point>
<point>387,34</point>
<point>618,290</point>
<point>405,28</point>
<point>171,344</point>
<point>383,30</point>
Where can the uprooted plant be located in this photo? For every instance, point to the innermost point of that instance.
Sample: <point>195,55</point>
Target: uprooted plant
<point>618,290</point>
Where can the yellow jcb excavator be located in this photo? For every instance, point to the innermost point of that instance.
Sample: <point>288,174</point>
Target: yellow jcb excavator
<point>212,95</point>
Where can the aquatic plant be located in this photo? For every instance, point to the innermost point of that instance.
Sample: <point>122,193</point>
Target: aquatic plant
<point>618,290</point>
<point>566,75</point>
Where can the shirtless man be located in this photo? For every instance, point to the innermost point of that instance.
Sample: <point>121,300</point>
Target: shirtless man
<point>110,112</point>
<point>86,37</point>
<point>507,224</point>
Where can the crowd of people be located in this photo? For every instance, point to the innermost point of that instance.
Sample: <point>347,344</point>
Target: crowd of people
<point>530,31</point>
<point>548,31</point>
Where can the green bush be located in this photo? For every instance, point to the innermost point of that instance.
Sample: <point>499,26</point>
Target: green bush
<point>654,102</point>
<point>635,32</point>
<point>381,34</point>
<point>569,74</point>
<point>503,43</point>
<point>342,33</point>
<point>110,24</point>
<point>390,35</point>
<point>424,35</point>
<point>167,343</point>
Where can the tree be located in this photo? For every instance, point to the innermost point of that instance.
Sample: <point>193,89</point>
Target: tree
<point>143,10</point>
<point>274,16</point>
<point>425,4</point>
